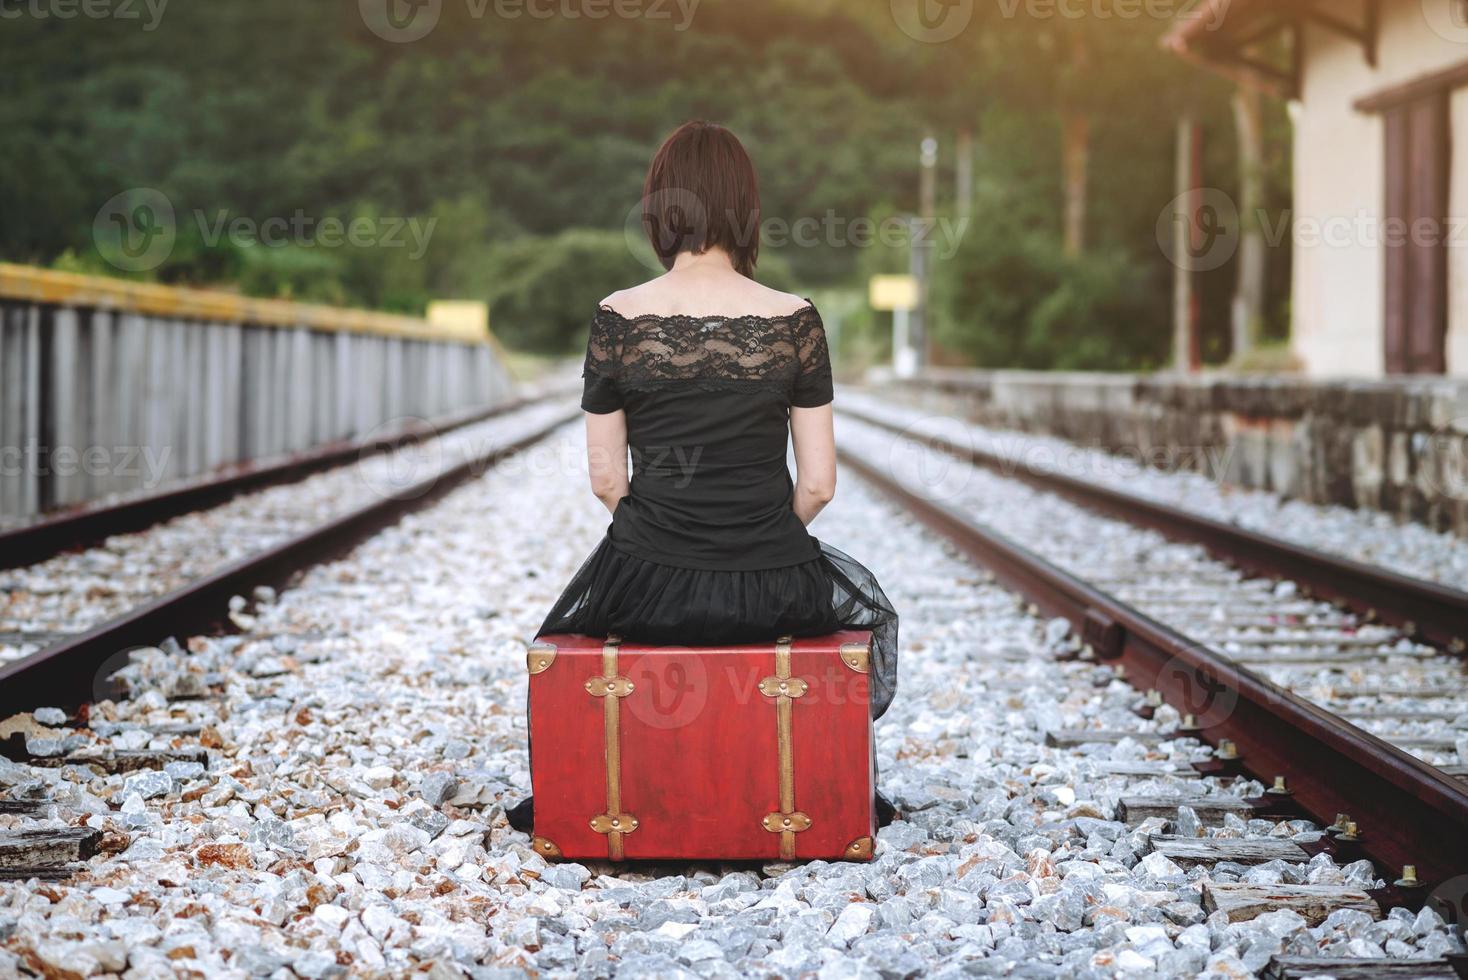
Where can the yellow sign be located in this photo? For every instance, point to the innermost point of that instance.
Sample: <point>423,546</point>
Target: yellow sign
<point>464,317</point>
<point>893,292</point>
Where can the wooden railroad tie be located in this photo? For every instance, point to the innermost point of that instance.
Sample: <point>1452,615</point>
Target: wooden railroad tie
<point>1132,810</point>
<point>1314,902</point>
<point>1298,967</point>
<point>1188,852</point>
<point>1147,770</point>
<point>47,848</point>
<point>114,761</point>
<point>1069,738</point>
<point>24,808</point>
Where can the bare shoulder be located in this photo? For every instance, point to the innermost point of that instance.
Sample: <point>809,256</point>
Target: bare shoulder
<point>669,296</point>
<point>759,300</point>
<point>644,298</point>
<point>614,300</point>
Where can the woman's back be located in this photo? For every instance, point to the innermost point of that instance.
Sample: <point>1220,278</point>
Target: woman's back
<point>707,397</point>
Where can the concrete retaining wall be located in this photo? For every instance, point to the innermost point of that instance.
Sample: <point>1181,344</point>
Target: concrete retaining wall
<point>96,401</point>
<point>1399,446</point>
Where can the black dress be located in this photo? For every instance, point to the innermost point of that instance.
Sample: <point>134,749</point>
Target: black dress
<point>706,549</point>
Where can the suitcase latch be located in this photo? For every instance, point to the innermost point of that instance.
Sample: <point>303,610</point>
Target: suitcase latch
<point>791,687</point>
<point>615,687</point>
<point>606,823</point>
<point>793,822</point>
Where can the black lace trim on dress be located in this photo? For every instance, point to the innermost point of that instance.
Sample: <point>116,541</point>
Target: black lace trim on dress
<point>647,350</point>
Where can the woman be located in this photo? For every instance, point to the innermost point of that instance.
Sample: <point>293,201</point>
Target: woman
<point>701,373</point>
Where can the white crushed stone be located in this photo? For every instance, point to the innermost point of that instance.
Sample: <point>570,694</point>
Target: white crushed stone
<point>293,856</point>
<point>74,591</point>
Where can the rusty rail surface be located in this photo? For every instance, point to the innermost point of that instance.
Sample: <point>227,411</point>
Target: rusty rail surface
<point>1408,812</point>
<point>87,526</point>
<point>65,674</point>
<point>1427,611</point>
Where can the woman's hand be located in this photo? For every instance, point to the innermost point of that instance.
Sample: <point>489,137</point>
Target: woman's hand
<point>606,456</point>
<point>814,436</point>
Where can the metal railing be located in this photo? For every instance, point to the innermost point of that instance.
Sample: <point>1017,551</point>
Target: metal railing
<point>112,387</point>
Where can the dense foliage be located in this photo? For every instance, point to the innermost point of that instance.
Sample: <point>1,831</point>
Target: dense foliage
<point>513,149</point>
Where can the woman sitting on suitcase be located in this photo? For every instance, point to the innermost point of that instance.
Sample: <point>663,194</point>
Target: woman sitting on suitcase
<point>703,372</point>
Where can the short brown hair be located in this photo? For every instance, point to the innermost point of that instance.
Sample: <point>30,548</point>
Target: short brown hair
<point>701,192</point>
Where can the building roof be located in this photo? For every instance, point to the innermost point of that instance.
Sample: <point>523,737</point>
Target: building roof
<point>1257,42</point>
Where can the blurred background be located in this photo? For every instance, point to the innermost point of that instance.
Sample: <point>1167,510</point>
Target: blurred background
<point>1146,225</point>
<point>494,151</point>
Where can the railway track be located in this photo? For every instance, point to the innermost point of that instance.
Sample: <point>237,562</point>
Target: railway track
<point>1430,611</point>
<point>1233,655</point>
<point>264,543</point>
<point>34,541</point>
<point>330,783</point>
<point>1301,634</point>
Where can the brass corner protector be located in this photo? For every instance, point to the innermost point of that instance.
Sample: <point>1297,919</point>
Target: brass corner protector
<point>857,656</point>
<point>546,848</point>
<point>859,849</point>
<point>540,656</point>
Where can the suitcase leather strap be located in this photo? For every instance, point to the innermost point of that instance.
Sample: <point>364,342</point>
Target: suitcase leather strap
<point>788,821</point>
<point>612,687</point>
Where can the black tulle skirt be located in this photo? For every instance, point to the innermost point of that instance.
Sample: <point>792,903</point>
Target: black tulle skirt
<point>648,602</point>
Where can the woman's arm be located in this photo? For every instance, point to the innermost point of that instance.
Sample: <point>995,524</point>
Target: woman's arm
<point>815,460</point>
<point>606,456</point>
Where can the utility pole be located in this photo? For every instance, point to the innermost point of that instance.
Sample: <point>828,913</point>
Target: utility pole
<point>963,175</point>
<point>921,250</point>
<point>1186,308</point>
<point>1248,304</point>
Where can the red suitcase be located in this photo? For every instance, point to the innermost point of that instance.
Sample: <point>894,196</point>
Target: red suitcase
<point>742,752</point>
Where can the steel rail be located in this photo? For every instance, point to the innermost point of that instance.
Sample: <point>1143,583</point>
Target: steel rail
<point>65,674</point>
<point>1408,812</point>
<point>1428,611</point>
<point>37,541</point>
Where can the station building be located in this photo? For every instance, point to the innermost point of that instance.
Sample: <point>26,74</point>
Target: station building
<point>1379,96</point>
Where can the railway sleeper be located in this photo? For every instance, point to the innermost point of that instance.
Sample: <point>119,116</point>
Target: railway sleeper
<point>1146,770</point>
<point>1187,852</point>
<point>113,761</point>
<point>50,872</point>
<point>1300,967</point>
<point>45,847</point>
<point>22,807</point>
<point>111,729</point>
<point>1242,902</point>
<point>1132,810</point>
<point>1403,715</point>
<point>1327,641</point>
<point>1069,738</point>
